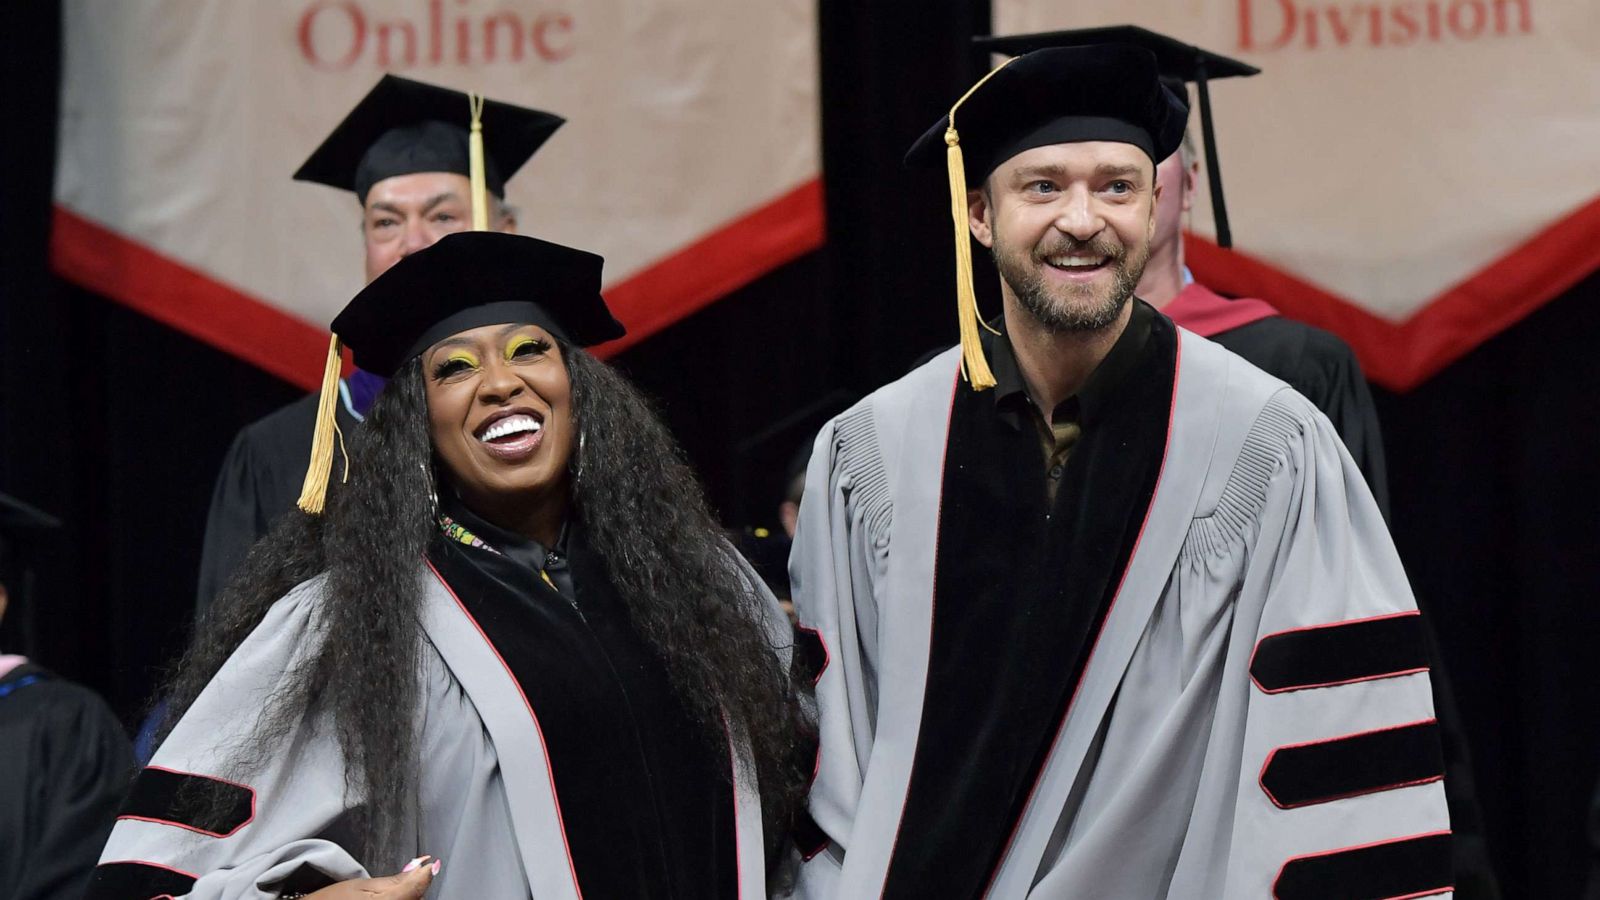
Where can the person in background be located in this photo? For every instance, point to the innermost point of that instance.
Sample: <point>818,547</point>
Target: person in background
<point>403,152</point>
<point>65,761</point>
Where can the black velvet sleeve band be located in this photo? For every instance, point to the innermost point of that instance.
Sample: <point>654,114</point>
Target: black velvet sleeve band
<point>1416,866</point>
<point>134,880</point>
<point>1355,764</point>
<point>198,803</point>
<point>811,652</point>
<point>1339,653</point>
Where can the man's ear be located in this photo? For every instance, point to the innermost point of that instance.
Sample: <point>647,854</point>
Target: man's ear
<point>1191,177</point>
<point>507,221</point>
<point>4,599</point>
<point>979,211</point>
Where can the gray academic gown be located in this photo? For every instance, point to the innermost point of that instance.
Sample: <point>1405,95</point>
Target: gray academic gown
<point>488,806</point>
<point>1259,526</point>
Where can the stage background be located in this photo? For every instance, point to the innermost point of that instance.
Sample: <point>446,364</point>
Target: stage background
<point>117,423</point>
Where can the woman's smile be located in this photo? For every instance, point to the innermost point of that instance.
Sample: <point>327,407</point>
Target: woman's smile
<point>511,435</point>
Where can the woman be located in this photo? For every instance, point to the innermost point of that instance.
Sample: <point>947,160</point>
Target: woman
<point>516,640</point>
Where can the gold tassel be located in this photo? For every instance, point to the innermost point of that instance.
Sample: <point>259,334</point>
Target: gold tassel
<point>974,367</point>
<point>314,492</point>
<point>480,187</point>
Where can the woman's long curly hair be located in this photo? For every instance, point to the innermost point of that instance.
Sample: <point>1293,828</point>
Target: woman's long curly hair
<point>645,515</point>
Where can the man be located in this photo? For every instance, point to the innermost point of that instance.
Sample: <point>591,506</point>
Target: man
<point>1314,362</point>
<point>1118,617</point>
<point>404,152</point>
<point>67,761</point>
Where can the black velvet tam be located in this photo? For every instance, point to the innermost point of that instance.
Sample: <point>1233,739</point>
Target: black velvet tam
<point>403,127</point>
<point>471,279</point>
<point>1177,60</point>
<point>1107,92</point>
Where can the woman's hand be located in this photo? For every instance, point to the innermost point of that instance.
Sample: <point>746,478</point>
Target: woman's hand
<point>410,884</point>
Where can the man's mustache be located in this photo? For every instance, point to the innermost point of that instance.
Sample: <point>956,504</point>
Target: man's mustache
<point>1070,247</point>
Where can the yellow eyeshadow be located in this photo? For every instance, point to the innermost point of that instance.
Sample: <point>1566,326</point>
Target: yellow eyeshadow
<point>517,344</point>
<point>463,356</point>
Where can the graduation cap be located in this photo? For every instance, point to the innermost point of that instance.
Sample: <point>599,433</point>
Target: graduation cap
<point>1179,62</point>
<point>403,127</point>
<point>464,280</point>
<point>1105,92</point>
<point>470,279</point>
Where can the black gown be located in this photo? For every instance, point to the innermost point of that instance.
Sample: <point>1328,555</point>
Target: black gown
<point>65,763</point>
<point>1324,370</point>
<point>260,480</point>
<point>646,796</point>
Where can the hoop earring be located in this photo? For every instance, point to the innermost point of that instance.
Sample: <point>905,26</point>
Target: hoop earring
<point>433,495</point>
<point>577,474</point>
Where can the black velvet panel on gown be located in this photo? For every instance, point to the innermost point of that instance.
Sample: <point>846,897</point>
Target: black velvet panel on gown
<point>646,798</point>
<point>1020,592</point>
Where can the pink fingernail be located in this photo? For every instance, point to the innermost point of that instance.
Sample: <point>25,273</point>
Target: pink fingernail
<point>412,866</point>
<point>437,865</point>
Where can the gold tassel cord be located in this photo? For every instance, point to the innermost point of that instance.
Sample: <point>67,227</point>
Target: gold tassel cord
<point>974,367</point>
<point>314,492</point>
<point>480,188</point>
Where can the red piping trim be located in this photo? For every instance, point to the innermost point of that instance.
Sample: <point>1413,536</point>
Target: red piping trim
<point>1402,355</point>
<point>1261,778</point>
<point>1306,687</point>
<point>933,608</point>
<point>208,833</point>
<point>203,306</point>
<point>1172,412</point>
<point>1430,892</point>
<point>543,747</point>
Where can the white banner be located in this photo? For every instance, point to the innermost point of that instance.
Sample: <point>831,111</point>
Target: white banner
<point>1415,174</point>
<point>689,158</point>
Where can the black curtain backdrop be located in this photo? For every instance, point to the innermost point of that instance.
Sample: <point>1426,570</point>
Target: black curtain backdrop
<point>118,424</point>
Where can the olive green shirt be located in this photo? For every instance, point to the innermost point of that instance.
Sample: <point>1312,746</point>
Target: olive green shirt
<point>1062,431</point>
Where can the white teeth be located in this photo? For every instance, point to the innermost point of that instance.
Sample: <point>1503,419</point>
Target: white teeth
<point>511,425</point>
<point>1075,260</point>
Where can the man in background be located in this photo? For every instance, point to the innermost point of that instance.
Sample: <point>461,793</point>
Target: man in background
<point>64,758</point>
<point>403,151</point>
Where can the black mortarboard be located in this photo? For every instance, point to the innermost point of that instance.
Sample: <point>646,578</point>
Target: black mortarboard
<point>1110,92</point>
<point>403,127</point>
<point>1179,62</point>
<point>469,279</point>
<point>1107,92</point>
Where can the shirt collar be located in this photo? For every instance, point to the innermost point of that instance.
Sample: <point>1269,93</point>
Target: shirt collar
<point>1092,400</point>
<point>519,548</point>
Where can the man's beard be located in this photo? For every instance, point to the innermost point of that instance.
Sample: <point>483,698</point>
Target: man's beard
<point>1073,308</point>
